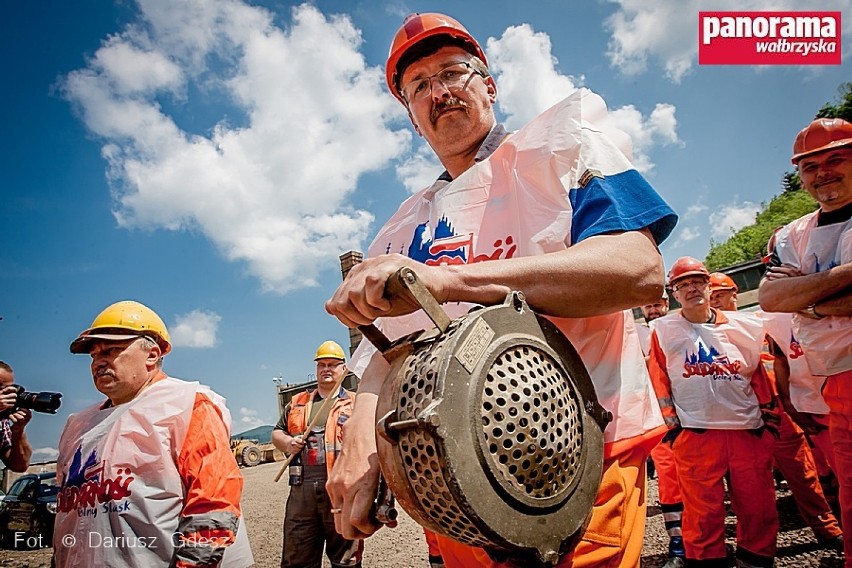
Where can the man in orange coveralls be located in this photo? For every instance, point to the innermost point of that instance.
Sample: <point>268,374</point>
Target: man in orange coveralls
<point>793,455</point>
<point>810,276</point>
<point>662,456</point>
<point>146,477</point>
<point>706,368</point>
<point>579,237</point>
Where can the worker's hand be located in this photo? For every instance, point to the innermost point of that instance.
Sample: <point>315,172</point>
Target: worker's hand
<point>295,445</point>
<point>804,420</point>
<point>672,435</point>
<point>361,298</point>
<point>354,479</point>
<point>783,271</point>
<point>8,398</point>
<point>771,419</point>
<point>19,419</point>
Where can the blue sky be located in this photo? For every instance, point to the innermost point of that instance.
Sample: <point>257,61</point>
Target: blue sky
<point>213,158</point>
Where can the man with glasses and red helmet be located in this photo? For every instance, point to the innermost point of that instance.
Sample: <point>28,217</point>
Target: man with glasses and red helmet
<point>706,368</point>
<point>792,454</point>
<point>810,276</point>
<point>555,210</point>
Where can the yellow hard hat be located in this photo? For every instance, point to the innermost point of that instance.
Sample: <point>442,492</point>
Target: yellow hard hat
<point>122,321</point>
<point>329,350</point>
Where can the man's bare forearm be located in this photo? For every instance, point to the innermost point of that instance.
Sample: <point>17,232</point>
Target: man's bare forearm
<point>780,293</point>
<point>602,274</point>
<point>839,305</point>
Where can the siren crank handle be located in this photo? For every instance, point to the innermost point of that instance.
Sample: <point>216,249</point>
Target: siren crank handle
<point>404,282</point>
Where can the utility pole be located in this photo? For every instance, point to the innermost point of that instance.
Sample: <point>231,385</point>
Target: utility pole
<point>347,261</point>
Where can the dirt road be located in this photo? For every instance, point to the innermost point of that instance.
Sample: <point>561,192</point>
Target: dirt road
<point>404,547</point>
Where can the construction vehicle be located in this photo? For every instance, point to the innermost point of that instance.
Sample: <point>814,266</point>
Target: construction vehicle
<point>249,452</point>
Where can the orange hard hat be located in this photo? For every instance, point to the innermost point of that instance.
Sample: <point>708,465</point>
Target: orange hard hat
<point>721,281</point>
<point>820,135</point>
<point>415,29</point>
<point>687,266</point>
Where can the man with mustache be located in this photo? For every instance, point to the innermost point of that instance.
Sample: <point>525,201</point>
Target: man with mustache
<point>555,210</point>
<point>146,477</point>
<point>309,520</point>
<point>714,393</point>
<point>793,456</point>
<point>810,276</point>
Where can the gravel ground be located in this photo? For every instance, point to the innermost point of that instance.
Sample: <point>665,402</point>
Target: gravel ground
<point>404,547</point>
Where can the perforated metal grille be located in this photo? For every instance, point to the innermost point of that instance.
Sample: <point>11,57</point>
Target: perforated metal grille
<point>532,423</point>
<point>419,452</point>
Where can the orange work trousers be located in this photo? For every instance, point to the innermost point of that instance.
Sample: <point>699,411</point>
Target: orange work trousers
<point>435,558</point>
<point>667,483</point>
<point>822,450</point>
<point>616,530</point>
<point>703,459</point>
<point>838,395</point>
<point>794,458</point>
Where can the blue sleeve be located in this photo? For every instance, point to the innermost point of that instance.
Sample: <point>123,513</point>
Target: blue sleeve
<point>619,202</point>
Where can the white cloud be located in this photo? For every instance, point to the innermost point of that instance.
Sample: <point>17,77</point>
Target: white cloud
<point>666,31</point>
<point>694,210</point>
<point>526,75</point>
<point>730,218</point>
<point>44,454</point>
<point>195,329</point>
<point>249,418</point>
<point>529,83</point>
<point>660,127</point>
<point>685,234</point>
<point>420,169</point>
<point>268,183</point>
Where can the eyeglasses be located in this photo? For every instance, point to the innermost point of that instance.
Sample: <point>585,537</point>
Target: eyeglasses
<point>697,284</point>
<point>452,77</point>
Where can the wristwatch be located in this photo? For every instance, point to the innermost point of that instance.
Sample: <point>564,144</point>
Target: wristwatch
<point>810,311</point>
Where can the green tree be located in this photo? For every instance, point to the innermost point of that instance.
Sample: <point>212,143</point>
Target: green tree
<point>749,243</point>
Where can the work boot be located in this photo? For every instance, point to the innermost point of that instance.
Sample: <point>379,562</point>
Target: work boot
<point>834,543</point>
<point>677,553</point>
<point>675,562</point>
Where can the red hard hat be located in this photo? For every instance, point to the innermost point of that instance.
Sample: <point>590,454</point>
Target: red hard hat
<point>820,135</point>
<point>721,281</point>
<point>686,266</point>
<point>415,29</point>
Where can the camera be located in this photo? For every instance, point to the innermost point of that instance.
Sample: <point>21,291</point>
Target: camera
<point>46,402</point>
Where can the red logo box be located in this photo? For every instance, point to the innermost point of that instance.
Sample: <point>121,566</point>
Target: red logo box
<point>769,38</point>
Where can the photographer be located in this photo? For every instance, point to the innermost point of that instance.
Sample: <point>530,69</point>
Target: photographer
<point>15,449</point>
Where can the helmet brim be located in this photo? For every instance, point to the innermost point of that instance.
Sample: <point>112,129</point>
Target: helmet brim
<point>830,146</point>
<point>83,344</point>
<point>689,273</point>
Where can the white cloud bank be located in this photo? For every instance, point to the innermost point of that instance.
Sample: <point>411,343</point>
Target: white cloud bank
<point>728,219</point>
<point>249,419</point>
<point>195,329</point>
<point>269,187</point>
<point>269,179</point>
<point>528,83</point>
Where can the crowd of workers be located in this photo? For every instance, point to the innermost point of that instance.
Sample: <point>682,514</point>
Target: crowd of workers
<point>730,394</point>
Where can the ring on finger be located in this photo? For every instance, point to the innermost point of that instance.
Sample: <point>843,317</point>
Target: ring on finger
<point>336,511</point>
